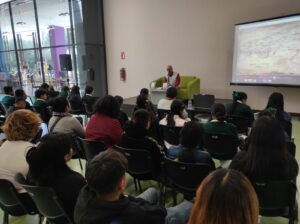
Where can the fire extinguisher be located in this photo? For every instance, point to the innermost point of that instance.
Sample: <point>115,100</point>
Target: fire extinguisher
<point>123,74</point>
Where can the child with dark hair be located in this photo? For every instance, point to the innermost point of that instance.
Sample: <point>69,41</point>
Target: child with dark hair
<point>75,101</point>
<point>64,92</point>
<point>239,107</point>
<point>165,104</point>
<point>136,136</point>
<point>190,148</point>
<point>48,167</point>
<point>8,100</point>
<point>41,106</point>
<point>104,124</point>
<point>88,99</point>
<point>20,94</point>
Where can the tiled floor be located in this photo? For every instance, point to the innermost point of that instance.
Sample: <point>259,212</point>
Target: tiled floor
<point>130,189</point>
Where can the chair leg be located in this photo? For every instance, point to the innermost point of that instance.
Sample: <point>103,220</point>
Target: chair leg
<point>5,218</point>
<point>140,186</point>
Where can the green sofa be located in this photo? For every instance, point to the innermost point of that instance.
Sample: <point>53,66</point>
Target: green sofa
<point>189,86</point>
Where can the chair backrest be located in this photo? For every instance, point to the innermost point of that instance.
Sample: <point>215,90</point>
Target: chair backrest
<point>139,161</point>
<point>291,147</point>
<point>46,201</point>
<point>203,101</point>
<point>185,177</point>
<point>162,113</point>
<point>275,197</point>
<point>91,148</point>
<point>241,123</point>
<point>171,134</point>
<point>220,146</point>
<point>9,200</point>
<point>88,108</point>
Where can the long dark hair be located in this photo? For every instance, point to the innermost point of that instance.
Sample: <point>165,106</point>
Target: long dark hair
<point>237,96</point>
<point>46,161</point>
<point>228,189</point>
<point>177,107</point>
<point>266,147</point>
<point>276,101</point>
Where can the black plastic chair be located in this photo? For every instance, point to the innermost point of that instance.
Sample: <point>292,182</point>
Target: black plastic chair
<point>10,202</point>
<point>203,101</point>
<point>170,134</point>
<point>221,146</point>
<point>241,123</point>
<point>139,164</point>
<point>277,198</point>
<point>91,148</point>
<point>46,201</point>
<point>162,113</point>
<point>184,178</point>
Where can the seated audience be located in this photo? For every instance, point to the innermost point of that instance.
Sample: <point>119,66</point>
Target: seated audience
<point>75,101</point>
<point>145,92</point>
<point>19,104</point>
<point>136,136</point>
<point>102,200</point>
<point>20,93</point>
<point>104,125</point>
<point>165,104</point>
<point>62,121</point>
<point>47,167</point>
<point>41,106</point>
<point>52,93</point>
<point>276,105</point>
<point>64,92</point>
<point>20,128</point>
<point>239,107</point>
<point>9,99</point>
<point>88,99</point>
<point>190,148</point>
<point>177,115</point>
<point>45,86</point>
<point>218,125</point>
<point>123,118</point>
<point>225,197</point>
<point>267,157</point>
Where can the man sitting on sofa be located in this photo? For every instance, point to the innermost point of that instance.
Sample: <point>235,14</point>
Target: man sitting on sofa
<point>172,78</point>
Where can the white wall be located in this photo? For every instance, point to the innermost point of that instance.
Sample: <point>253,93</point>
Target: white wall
<point>195,36</point>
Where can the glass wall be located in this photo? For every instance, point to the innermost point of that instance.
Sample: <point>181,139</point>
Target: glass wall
<point>32,43</point>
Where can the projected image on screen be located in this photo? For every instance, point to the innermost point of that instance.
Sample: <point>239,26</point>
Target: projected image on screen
<point>268,52</point>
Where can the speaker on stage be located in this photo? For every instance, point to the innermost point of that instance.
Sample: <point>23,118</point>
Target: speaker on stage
<point>65,62</point>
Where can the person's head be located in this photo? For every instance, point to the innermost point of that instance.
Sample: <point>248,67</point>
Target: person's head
<point>170,69</point>
<point>20,93</point>
<point>276,101</point>
<point>171,93</point>
<point>239,96</point>
<point>41,94</point>
<point>177,108</point>
<point>89,90</point>
<point>20,103</point>
<point>65,89</point>
<point>105,174</point>
<point>266,146</point>
<point>21,125</point>
<point>145,92</point>
<point>218,112</point>
<point>108,106</point>
<point>8,90</point>
<point>49,157</point>
<point>142,118</point>
<point>191,135</point>
<point>45,86</point>
<point>120,100</point>
<point>142,102</point>
<point>225,197</point>
<point>75,90</point>
<point>60,105</point>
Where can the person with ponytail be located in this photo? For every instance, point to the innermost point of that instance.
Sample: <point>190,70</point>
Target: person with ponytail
<point>177,115</point>
<point>48,167</point>
<point>218,125</point>
<point>239,107</point>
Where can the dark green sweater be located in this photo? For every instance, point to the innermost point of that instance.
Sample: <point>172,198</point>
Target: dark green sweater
<point>242,110</point>
<point>217,127</point>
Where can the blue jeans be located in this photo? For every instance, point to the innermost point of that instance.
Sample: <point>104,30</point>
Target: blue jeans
<point>178,214</point>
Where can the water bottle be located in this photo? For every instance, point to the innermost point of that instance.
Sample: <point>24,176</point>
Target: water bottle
<point>190,105</point>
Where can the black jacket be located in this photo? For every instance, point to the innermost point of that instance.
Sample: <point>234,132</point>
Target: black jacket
<point>127,210</point>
